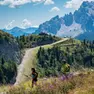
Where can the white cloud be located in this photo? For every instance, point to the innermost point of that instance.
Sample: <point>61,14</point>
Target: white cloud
<point>37,1</point>
<point>10,25</point>
<point>48,2</point>
<point>26,23</point>
<point>75,3</point>
<point>54,9</point>
<point>16,3</point>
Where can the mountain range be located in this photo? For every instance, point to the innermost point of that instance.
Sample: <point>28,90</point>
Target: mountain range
<point>16,31</point>
<point>79,24</point>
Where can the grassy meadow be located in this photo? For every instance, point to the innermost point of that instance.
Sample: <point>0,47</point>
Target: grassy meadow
<point>83,83</point>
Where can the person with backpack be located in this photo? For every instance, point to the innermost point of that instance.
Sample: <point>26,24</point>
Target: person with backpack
<point>65,69</point>
<point>34,77</point>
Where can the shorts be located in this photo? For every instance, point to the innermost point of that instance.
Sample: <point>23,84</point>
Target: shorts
<point>35,80</point>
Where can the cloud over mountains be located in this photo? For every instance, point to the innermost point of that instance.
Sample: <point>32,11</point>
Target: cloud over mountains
<point>9,25</point>
<point>26,23</point>
<point>17,3</point>
<point>75,3</point>
<point>54,9</point>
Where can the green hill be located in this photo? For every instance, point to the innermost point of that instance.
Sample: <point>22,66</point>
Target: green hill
<point>29,61</point>
<point>9,48</point>
<point>52,55</point>
<point>32,41</point>
<point>78,54</point>
<point>9,57</point>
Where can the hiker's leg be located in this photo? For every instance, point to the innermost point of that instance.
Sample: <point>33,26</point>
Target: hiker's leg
<point>35,83</point>
<point>32,83</point>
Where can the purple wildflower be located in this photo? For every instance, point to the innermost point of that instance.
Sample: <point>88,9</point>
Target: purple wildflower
<point>51,86</point>
<point>63,78</point>
<point>70,75</point>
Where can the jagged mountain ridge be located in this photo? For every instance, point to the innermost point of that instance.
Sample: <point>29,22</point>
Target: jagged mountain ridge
<point>51,26</point>
<point>81,21</point>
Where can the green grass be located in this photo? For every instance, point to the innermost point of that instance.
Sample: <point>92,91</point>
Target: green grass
<point>70,43</point>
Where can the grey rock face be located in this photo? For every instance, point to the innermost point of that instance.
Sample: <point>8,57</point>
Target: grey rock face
<point>68,19</point>
<point>85,16</point>
<point>51,26</point>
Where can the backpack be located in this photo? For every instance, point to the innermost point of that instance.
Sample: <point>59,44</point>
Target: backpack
<point>36,76</point>
<point>65,68</point>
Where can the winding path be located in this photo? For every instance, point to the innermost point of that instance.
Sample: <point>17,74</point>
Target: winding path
<point>25,66</point>
<point>29,61</point>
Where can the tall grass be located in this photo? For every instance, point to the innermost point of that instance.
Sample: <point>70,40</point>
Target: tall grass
<point>80,84</point>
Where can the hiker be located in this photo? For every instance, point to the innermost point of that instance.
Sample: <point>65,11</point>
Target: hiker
<point>65,69</point>
<point>34,77</point>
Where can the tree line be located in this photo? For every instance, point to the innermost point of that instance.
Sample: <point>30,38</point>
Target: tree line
<point>31,41</point>
<point>8,71</point>
<point>50,61</point>
<point>5,37</point>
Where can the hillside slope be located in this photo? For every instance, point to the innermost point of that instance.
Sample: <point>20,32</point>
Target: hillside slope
<point>76,84</point>
<point>9,48</point>
<point>29,61</point>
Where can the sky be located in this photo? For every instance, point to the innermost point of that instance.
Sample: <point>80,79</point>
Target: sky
<point>31,13</point>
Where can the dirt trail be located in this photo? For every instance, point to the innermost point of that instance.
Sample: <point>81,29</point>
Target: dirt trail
<point>28,62</point>
<point>22,67</point>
